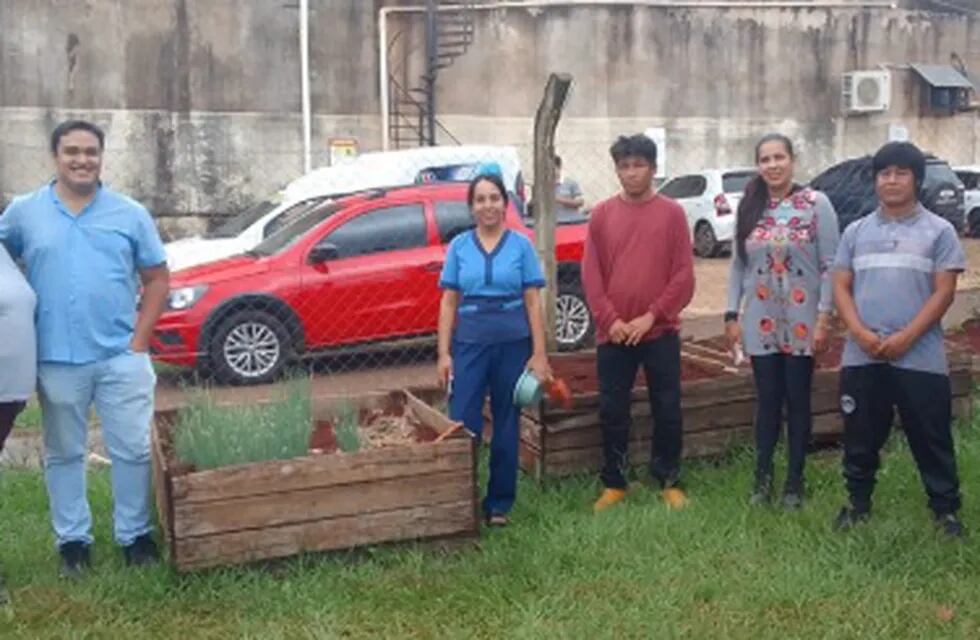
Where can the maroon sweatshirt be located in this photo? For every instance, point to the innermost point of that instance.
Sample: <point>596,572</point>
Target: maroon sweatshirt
<point>638,258</point>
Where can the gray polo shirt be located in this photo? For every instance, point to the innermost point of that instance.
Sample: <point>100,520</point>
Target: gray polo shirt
<point>894,264</point>
<point>567,188</point>
<point>18,354</point>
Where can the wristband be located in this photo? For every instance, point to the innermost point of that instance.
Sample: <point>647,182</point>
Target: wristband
<point>731,316</point>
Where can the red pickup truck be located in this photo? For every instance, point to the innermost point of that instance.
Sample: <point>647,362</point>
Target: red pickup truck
<point>348,275</point>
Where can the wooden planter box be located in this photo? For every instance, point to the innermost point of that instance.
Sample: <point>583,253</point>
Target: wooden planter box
<point>718,415</point>
<point>322,502</point>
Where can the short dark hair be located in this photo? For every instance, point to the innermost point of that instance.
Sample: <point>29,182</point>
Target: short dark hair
<point>492,178</point>
<point>904,155</point>
<point>637,145</point>
<point>68,126</point>
<point>558,161</point>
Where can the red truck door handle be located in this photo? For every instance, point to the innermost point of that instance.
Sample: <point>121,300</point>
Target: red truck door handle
<point>432,266</point>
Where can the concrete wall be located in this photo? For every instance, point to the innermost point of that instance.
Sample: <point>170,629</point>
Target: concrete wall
<point>714,79</point>
<point>202,97</point>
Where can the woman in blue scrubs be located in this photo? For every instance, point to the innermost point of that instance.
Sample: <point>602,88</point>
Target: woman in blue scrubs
<point>491,329</point>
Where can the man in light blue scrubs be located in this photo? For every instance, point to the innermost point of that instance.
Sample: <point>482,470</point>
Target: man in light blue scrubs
<point>87,250</point>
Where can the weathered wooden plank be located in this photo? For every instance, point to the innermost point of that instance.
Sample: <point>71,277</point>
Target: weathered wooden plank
<point>694,394</point>
<point>589,459</point>
<point>531,432</point>
<point>298,506</point>
<point>326,406</point>
<point>324,470</point>
<point>161,486</point>
<point>430,417</point>
<point>827,427</point>
<point>325,535</point>
<point>529,459</point>
<point>961,382</point>
<point>592,435</point>
<point>963,408</point>
<point>695,445</point>
<point>723,389</point>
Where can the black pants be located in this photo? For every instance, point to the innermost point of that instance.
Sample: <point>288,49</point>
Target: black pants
<point>869,396</point>
<point>8,413</point>
<point>780,380</point>
<point>617,367</point>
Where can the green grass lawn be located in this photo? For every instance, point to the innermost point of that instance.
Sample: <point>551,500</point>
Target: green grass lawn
<point>30,417</point>
<point>719,569</point>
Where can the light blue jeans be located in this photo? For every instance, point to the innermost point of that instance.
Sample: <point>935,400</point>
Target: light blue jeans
<point>122,389</point>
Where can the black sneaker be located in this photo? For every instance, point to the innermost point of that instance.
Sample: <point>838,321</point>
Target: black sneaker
<point>75,559</point>
<point>761,492</point>
<point>143,551</point>
<point>950,525</point>
<point>849,517</point>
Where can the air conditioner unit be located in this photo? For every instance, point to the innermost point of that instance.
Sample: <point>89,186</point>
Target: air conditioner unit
<point>866,91</point>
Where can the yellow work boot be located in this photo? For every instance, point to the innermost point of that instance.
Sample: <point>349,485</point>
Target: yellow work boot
<point>674,497</point>
<point>608,498</point>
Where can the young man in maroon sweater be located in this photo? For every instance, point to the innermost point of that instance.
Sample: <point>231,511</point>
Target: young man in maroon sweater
<point>638,274</point>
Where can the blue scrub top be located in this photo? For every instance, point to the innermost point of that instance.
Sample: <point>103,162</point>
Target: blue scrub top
<point>492,286</point>
<point>84,269</point>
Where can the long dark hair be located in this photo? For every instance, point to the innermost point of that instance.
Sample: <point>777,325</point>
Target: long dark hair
<point>755,200</point>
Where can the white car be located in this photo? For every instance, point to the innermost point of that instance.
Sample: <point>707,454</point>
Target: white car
<point>710,199</point>
<point>970,177</point>
<point>368,171</point>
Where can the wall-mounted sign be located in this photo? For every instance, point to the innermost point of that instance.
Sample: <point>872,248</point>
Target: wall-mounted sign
<point>342,150</point>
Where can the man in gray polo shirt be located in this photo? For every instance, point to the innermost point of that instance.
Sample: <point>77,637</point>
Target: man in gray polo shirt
<point>895,277</point>
<point>568,195</point>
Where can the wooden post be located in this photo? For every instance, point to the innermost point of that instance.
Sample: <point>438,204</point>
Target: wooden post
<point>543,196</point>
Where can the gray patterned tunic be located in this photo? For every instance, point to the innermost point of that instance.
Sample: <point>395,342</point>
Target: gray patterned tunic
<point>786,280</point>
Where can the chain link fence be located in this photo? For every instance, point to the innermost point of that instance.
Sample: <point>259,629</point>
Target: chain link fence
<point>338,272</point>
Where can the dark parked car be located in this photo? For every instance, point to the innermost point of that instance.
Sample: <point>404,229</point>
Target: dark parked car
<point>850,187</point>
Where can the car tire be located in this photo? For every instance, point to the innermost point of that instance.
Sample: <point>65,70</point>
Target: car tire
<point>249,347</point>
<point>705,242</point>
<point>575,327</point>
<point>973,223</point>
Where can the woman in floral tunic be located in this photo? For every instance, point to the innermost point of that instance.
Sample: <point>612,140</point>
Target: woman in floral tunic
<point>779,301</point>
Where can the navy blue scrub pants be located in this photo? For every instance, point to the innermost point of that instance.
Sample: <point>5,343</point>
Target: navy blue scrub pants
<point>497,366</point>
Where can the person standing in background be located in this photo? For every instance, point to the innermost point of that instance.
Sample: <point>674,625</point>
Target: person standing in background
<point>568,193</point>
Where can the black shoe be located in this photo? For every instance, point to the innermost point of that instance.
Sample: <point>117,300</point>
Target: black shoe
<point>761,492</point>
<point>950,525</point>
<point>849,517</point>
<point>143,551</point>
<point>75,559</point>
